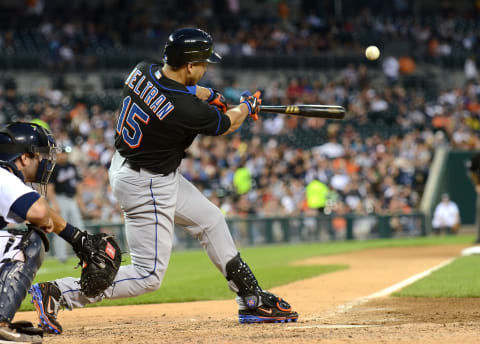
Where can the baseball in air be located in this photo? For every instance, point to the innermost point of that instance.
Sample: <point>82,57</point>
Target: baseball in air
<point>372,52</point>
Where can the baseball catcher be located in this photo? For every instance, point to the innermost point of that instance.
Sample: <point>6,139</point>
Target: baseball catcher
<point>28,155</point>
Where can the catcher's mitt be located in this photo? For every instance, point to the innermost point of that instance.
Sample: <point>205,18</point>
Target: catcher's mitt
<point>100,258</point>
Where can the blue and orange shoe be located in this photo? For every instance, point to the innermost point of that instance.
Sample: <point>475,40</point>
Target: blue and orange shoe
<point>272,310</point>
<point>46,298</point>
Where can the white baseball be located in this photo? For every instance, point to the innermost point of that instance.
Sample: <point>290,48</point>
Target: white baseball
<point>372,52</point>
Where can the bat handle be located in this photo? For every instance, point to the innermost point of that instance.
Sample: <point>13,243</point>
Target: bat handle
<point>254,116</point>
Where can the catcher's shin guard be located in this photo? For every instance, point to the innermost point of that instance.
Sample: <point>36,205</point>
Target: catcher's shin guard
<point>256,305</point>
<point>18,272</point>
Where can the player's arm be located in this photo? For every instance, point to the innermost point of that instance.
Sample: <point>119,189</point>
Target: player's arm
<point>20,203</point>
<point>202,93</point>
<point>237,115</point>
<point>211,96</point>
<point>42,215</point>
<point>248,107</point>
<point>38,214</point>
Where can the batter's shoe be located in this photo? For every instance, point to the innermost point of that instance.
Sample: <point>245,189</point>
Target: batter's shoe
<point>272,310</point>
<point>47,299</point>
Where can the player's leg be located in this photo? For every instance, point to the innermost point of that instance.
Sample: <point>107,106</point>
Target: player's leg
<point>20,261</point>
<point>202,219</point>
<point>149,204</point>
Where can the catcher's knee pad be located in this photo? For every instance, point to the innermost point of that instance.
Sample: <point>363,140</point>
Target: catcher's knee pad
<point>18,271</point>
<point>242,281</point>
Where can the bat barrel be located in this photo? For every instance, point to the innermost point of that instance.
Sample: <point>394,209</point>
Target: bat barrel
<point>314,111</point>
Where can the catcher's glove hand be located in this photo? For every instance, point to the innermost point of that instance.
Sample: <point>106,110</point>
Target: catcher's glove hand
<point>100,258</point>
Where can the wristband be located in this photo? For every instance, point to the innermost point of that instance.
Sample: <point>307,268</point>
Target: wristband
<point>249,106</point>
<point>192,89</point>
<point>68,232</point>
<point>212,95</point>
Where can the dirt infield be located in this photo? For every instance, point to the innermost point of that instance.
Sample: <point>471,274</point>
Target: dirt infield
<point>318,300</point>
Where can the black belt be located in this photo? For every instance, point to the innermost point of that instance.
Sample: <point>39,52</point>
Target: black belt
<point>137,169</point>
<point>133,166</point>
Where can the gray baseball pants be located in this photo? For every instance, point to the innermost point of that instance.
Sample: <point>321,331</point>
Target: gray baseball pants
<point>152,204</point>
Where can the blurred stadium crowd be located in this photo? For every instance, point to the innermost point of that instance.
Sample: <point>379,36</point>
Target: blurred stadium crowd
<point>74,34</point>
<point>375,161</point>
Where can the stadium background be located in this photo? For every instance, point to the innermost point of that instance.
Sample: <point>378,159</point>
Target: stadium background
<point>64,63</point>
<point>412,122</point>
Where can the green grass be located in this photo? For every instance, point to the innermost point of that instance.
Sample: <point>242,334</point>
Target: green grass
<point>461,278</point>
<point>191,276</point>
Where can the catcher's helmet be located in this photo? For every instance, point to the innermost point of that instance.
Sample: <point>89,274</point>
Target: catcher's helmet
<point>189,45</point>
<point>18,138</point>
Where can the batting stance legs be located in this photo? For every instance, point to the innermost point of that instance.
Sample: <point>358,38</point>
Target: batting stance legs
<point>149,223</point>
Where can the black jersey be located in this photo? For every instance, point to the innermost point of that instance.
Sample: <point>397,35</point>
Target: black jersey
<point>65,177</point>
<point>159,119</point>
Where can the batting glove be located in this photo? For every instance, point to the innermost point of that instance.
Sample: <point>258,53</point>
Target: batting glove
<point>217,99</point>
<point>253,102</point>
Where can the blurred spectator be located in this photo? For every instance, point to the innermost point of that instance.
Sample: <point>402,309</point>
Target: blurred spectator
<point>316,193</point>
<point>242,180</point>
<point>65,198</point>
<point>406,65</point>
<point>391,68</point>
<point>446,217</point>
<point>470,69</point>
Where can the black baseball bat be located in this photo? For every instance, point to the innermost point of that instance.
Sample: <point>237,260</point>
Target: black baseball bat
<point>314,111</point>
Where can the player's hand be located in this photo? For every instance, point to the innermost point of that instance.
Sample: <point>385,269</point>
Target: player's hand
<point>49,227</point>
<point>217,99</point>
<point>253,102</point>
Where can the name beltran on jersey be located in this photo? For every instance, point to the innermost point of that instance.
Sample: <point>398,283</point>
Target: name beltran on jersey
<point>150,94</point>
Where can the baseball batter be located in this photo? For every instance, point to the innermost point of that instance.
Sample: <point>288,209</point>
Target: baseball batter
<point>162,112</point>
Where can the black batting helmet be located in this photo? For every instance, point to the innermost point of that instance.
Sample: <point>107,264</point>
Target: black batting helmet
<point>18,138</point>
<point>189,45</point>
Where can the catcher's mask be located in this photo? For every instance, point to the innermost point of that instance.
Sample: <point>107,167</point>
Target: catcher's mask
<point>18,138</point>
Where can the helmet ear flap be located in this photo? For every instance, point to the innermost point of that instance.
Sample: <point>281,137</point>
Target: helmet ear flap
<point>8,149</point>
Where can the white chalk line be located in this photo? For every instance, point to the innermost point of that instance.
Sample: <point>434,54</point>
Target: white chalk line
<point>331,326</point>
<point>384,292</point>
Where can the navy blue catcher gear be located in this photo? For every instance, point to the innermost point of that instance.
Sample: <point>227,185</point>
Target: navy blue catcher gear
<point>17,273</point>
<point>189,45</point>
<point>18,138</point>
